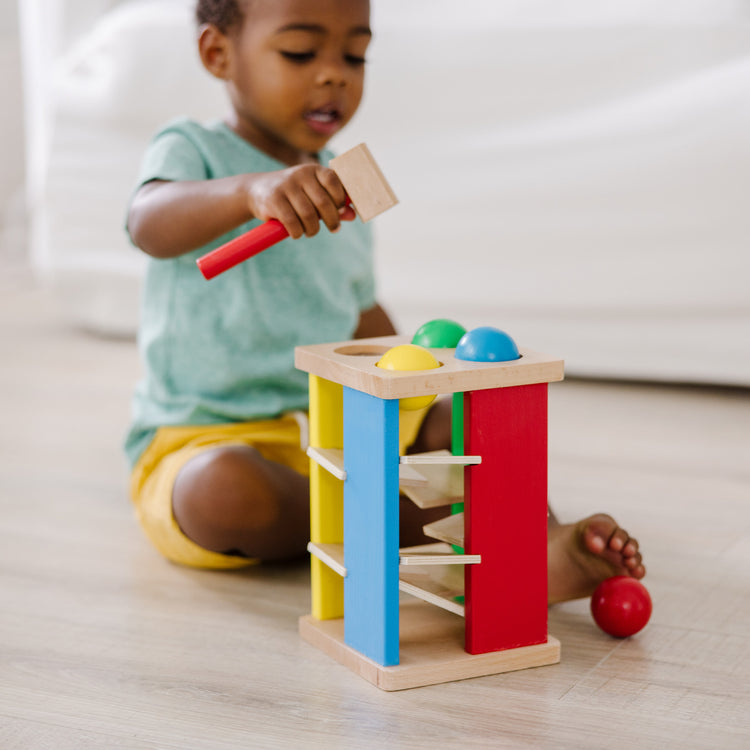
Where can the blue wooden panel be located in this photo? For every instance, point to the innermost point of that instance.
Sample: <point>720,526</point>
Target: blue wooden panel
<point>371,526</point>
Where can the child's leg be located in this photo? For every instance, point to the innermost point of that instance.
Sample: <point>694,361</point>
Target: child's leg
<point>581,555</point>
<point>230,499</point>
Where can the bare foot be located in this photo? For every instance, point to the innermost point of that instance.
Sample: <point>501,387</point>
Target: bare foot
<point>581,555</point>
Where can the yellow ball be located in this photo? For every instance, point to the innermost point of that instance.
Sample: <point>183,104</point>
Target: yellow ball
<point>410,357</point>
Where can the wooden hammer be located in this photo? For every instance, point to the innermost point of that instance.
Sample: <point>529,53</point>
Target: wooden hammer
<point>367,190</point>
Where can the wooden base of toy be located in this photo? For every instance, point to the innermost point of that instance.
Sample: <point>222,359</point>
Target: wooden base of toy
<point>431,650</point>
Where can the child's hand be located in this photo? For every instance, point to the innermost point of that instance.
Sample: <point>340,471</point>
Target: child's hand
<point>300,198</point>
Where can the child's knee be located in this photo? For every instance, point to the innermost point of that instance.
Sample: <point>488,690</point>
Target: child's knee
<point>224,490</point>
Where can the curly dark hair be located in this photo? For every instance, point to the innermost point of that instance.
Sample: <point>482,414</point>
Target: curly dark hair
<point>224,14</point>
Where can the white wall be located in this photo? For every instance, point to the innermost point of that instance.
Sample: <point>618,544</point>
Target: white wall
<point>11,122</point>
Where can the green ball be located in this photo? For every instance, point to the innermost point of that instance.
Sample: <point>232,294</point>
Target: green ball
<point>439,334</point>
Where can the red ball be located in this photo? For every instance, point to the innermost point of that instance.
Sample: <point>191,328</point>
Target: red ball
<point>621,606</point>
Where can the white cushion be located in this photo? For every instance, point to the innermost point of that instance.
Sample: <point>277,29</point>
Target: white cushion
<point>577,175</point>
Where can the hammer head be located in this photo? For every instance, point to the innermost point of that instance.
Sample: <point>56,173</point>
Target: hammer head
<point>365,184</point>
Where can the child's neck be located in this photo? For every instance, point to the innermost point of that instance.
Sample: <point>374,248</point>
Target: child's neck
<point>284,153</point>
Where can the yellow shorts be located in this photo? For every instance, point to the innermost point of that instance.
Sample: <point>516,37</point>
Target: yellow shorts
<point>154,475</point>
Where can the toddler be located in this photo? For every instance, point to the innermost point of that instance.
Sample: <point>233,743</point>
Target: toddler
<point>219,478</point>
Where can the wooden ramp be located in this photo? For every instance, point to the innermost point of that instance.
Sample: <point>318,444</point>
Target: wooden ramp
<point>449,529</point>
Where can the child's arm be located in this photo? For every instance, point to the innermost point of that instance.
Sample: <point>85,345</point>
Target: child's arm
<point>168,219</point>
<point>374,322</point>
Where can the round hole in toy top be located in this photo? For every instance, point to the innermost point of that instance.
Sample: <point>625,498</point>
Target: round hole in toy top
<point>362,350</point>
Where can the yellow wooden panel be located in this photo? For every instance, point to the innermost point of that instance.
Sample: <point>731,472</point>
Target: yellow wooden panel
<point>326,496</point>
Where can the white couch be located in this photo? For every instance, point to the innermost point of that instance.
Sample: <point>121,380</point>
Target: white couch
<point>577,175</point>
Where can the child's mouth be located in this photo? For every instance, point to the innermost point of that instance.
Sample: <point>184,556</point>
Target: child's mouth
<point>326,120</point>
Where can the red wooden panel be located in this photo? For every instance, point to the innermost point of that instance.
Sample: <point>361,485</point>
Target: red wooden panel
<point>506,518</point>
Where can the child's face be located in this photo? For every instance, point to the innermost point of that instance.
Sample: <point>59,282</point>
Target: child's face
<point>297,72</point>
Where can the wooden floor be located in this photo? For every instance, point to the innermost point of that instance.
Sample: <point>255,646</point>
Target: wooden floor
<point>104,646</point>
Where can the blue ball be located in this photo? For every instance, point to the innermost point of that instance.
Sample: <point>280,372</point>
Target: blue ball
<point>487,344</point>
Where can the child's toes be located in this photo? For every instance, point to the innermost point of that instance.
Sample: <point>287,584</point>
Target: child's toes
<point>631,548</point>
<point>618,540</point>
<point>595,542</point>
<point>634,565</point>
<point>596,532</point>
<point>631,562</point>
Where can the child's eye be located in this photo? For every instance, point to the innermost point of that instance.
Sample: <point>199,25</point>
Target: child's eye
<point>355,60</point>
<point>298,57</point>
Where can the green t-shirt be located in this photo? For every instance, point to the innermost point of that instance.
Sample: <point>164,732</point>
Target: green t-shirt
<point>223,350</point>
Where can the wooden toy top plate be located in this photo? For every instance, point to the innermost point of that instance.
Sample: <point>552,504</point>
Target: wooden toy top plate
<point>353,364</point>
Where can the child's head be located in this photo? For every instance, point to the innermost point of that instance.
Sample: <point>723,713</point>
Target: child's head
<point>294,69</point>
<point>224,14</point>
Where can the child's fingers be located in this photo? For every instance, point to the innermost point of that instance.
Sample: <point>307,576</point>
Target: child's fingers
<point>287,215</point>
<point>318,195</point>
<point>332,184</point>
<point>306,215</point>
<point>324,203</point>
<point>301,197</point>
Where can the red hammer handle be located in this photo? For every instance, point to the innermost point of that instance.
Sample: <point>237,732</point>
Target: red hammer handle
<point>241,248</point>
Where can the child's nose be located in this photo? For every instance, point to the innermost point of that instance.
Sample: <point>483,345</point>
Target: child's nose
<point>333,72</point>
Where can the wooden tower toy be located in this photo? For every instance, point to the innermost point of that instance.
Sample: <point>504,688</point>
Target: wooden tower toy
<point>480,612</point>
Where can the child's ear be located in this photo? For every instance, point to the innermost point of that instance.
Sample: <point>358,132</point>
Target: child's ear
<point>214,50</point>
